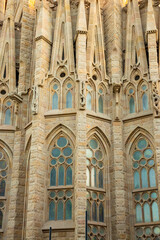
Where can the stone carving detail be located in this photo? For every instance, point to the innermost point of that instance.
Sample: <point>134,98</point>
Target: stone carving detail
<point>35,101</point>
<point>82,95</point>
<point>156,99</point>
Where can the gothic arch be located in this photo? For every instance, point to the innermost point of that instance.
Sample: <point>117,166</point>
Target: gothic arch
<point>8,150</point>
<point>136,133</point>
<point>55,131</point>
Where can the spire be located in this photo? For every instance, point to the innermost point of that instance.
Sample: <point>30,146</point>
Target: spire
<point>62,52</point>
<point>151,23</point>
<point>81,19</point>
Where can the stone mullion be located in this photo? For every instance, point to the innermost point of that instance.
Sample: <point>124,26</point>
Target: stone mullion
<point>15,215</point>
<point>119,204</point>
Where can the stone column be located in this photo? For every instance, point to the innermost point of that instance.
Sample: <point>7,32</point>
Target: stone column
<point>80,165</point>
<point>37,171</point>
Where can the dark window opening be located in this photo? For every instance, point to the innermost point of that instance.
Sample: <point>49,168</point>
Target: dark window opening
<point>17,77</point>
<point>5,72</point>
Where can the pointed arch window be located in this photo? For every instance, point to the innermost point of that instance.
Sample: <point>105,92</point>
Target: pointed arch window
<point>8,112</point>
<point>146,198</point>
<point>101,100</point>
<point>3,181</point>
<point>144,97</point>
<point>89,97</point>
<point>95,179</point>
<point>68,94</point>
<point>131,97</point>
<point>61,176</point>
<point>55,94</point>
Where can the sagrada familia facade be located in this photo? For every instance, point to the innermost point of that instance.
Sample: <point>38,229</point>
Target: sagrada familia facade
<point>80,119</point>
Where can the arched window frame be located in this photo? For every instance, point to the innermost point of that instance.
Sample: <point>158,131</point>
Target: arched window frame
<point>68,86</point>
<point>8,105</point>
<point>55,87</point>
<point>143,89</point>
<point>144,195</point>
<point>96,195</point>
<point>131,93</point>
<point>64,192</point>
<point>90,89</point>
<point>4,176</point>
<point>101,93</point>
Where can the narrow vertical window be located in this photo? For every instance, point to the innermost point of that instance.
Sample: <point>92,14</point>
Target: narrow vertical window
<point>132,105</point>
<point>52,211</point>
<point>89,101</point>
<point>68,210</point>
<point>1,219</point>
<point>61,176</point>
<point>101,213</point>
<point>7,120</point>
<point>55,96</point>
<point>100,101</point>
<point>69,95</point>
<point>146,198</point>
<point>94,211</point>
<point>145,101</point>
<point>60,211</point>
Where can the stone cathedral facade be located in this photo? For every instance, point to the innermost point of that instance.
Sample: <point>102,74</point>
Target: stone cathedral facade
<point>80,119</point>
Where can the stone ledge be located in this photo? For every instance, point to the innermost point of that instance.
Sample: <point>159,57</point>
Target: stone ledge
<point>58,225</point>
<point>7,128</point>
<point>55,113</point>
<point>134,116</point>
<point>99,116</point>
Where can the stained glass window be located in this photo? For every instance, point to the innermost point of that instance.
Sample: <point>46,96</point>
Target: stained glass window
<point>146,207</point>
<point>7,120</point>
<point>61,166</point>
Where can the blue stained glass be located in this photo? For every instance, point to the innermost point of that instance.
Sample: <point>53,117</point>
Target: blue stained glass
<point>137,155</point>
<point>94,212</point>
<point>151,163</point>
<point>148,153</point>
<point>100,179</point>
<point>56,152</point>
<point>61,176</point>
<point>68,210</point>
<point>69,160</point>
<point>52,211</point>
<point>7,120</point>
<point>60,211</point>
<point>53,162</point>
<point>67,152</point>
<point>144,87</point>
<point>69,176</point>
<point>147,215</point>
<point>155,212</point>
<point>3,164</point>
<point>2,188</point>
<point>8,103</point>
<point>101,213</point>
<point>152,178</point>
<point>100,104</point>
<point>136,180</point>
<point>93,143</point>
<point>138,213</point>
<point>1,219</point>
<point>157,230</point>
<point>53,177</point>
<point>142,144</point>
<point>144,178</point>
<point>61,160</point>
<point>55,101</point>
<point>69,100</point>
<point>89,101</point>
<point>98,154</point>
<point>55,86</point>
<point>100,90</point>
<point>69,85</point>
<point>62,142</point>
<point>145,101</point>
<point>131,90</point>
<point>132,105</point>
<point>88,210</point>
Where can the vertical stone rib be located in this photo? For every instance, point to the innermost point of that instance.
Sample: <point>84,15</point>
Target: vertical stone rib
<point>80,164</point>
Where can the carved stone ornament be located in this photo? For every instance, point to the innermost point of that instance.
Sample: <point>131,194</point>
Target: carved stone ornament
<point>156,99</point>
<point>35,101</point>
<point>82,95</point>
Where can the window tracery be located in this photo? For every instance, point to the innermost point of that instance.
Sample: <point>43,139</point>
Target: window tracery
<point>55,95</point>
<point>145,191</point>
<point>4,165</point>
<point>8,112</point>
<point>131,99</point>
<point>61,177</point>
<point>90,97</point>
<point>95,188</point>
